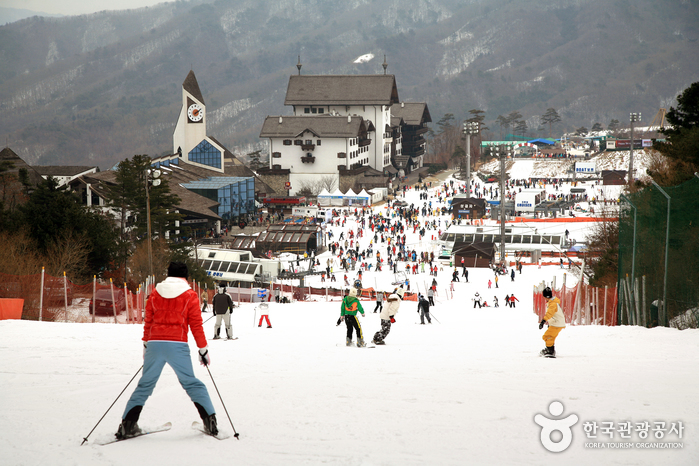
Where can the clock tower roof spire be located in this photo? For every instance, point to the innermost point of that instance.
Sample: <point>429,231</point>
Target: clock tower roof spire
<point>191,85</point>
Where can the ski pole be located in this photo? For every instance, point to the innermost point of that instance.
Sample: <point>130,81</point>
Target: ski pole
<point>105,413</point>
<point>237,435</point>
<point>432,315</point>
<point>208,319</point>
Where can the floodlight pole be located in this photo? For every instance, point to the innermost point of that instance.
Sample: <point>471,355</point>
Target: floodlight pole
<point>470,128</point>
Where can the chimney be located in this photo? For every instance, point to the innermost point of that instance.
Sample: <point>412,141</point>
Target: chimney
<point>280,119</point>
<point>402,105</point>
<point>349,118</point>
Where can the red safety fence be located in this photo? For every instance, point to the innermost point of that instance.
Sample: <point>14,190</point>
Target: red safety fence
<point>582,304</point>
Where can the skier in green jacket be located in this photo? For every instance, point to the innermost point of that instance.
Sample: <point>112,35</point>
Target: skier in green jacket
<point>348,311</point>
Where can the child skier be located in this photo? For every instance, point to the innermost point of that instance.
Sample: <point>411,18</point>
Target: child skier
<point>348,311</point>
<point>556,322</point>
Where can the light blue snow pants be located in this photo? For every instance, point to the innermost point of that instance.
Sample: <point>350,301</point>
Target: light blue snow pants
<point>177,355</point>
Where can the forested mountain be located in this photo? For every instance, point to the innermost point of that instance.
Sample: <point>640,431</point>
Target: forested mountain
<point>95,89</point>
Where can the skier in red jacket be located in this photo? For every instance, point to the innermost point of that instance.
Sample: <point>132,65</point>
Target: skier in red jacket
<point>172,310</point>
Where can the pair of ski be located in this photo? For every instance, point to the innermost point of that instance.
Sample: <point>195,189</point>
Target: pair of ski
<point>224,339</point>
<point>353,345</point>
<point>164,428</point>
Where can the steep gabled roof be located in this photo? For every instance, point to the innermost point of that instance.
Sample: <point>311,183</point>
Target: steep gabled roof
<point>379,89</point>
<point>413,113</point>
<point>8,155</point>
<point>191,85</point>
<point>326,126</point>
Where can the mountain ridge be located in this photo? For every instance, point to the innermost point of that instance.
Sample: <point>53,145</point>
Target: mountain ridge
<point>97,88</point>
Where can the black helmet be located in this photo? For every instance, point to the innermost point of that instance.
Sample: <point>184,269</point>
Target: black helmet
<point>547,293</point>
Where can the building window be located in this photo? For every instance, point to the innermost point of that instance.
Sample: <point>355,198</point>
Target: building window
<point>206,154</point>
<point>318,142</point>
<point>308,142</point>
<point>320,110</point>
<point>314,110</point>
<point>306,110</point>
<point>287,142</point>
<point>298,142</point>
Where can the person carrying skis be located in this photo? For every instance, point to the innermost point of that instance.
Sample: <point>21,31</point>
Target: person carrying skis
<point>379,301</point>
<point>556,321</point>
<point>223,308</point>
<point>348,312</point>
<point>171,311</point>
<point>423,308</point>
<point>387,316</point>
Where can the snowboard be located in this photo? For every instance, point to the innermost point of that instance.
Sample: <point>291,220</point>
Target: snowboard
<point>196,425</point>
<point>163,428</point>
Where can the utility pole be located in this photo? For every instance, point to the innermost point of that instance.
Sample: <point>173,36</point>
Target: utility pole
<point>152,178</point>
<point>502,151</point>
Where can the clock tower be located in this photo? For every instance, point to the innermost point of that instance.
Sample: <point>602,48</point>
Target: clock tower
<point>189,139</point>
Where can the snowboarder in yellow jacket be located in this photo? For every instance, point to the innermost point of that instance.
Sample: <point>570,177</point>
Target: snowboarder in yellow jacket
<point>556,321</point>
<point>348,311</point>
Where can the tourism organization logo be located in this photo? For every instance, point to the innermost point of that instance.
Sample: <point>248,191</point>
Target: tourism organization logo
<point>549,426</point>
<point>557,433</point>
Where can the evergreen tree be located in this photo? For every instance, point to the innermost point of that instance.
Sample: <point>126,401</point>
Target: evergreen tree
<point>549,118</point>
<point>53,213</point>
<point>683,133</point>
<point>597,127</point>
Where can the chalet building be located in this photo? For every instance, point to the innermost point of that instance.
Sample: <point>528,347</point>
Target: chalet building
<point>414,118</point>
<point>343,126</point>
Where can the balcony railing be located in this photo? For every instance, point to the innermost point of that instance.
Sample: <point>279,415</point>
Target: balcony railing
<point>364,142</point>
<point>306,147</point>
<point>307,159</point>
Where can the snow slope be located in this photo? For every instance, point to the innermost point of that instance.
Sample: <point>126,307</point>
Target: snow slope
<point>461,391</point>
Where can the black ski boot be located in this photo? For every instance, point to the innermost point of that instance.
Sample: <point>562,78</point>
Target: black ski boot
<point>209,420</point>
<point>551,352</point>
<point>218,334</point>
<point>129,425</point>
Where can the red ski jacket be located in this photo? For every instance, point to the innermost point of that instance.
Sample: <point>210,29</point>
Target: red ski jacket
<point>172,310</point>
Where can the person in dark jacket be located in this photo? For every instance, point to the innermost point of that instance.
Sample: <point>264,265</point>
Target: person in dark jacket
<point>423,307</point>
<point>223,308</point>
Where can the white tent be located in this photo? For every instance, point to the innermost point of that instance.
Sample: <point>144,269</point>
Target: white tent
<point>324,198</point>
<point>336,198</point>
<point>364,197</point>
<point>349,197</point>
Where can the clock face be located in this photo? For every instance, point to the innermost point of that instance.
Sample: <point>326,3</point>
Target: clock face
<point>195,113</point>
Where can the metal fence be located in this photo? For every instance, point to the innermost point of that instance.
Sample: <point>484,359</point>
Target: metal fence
<point>659,256</point>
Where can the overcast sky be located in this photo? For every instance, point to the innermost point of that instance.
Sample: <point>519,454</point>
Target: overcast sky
<point>76,7</point>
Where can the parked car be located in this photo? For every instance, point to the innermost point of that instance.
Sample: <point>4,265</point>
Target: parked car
<point>54,291</point>
<point>103,301</point>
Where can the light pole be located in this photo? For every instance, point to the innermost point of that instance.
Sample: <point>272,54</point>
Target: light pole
<point>470,128</point>
<point>152,179</point>
<point>633,118</point>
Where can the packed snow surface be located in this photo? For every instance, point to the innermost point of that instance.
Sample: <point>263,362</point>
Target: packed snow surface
<point>462,390</point>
